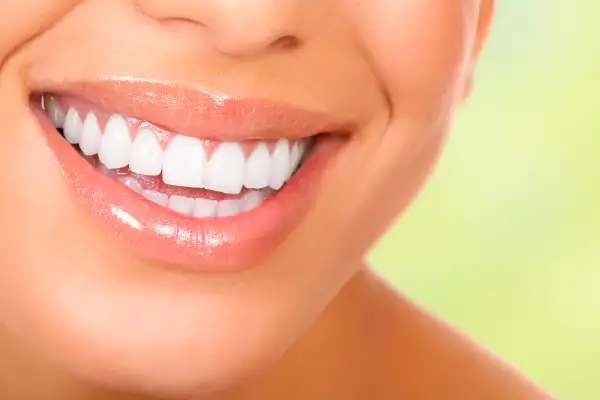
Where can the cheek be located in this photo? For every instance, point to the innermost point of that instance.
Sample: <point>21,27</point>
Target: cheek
<point>416,46</point>
<point>417,49</point>
<point>19,23</point>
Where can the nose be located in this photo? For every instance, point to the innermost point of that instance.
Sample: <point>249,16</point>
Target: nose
<point>234,27</point>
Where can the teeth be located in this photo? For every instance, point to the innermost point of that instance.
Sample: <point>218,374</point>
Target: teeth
<point>159,198</point>
<point>204,208</point>
<point>295,157</point>
<point>281,164</point>
<point>228,208</point>
<point>251,200</point>
<point>226,169</point>
<point>55,112</point>
<point>146,154</point>
<point>73,126</point>
<point>115,145</point>
<point>184,162</point>
<point>89,142</point>
<point>258,168</point>
<point>181,204</point>
<point>197,207</point>
<point>131,183</point>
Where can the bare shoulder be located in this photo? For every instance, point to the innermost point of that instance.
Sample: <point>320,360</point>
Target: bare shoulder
<point>423,357</point>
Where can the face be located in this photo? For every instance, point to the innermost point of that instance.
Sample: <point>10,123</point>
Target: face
<point>189,184</point>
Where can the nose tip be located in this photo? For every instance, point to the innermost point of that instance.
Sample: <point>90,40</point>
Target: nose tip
<point>234,27</point>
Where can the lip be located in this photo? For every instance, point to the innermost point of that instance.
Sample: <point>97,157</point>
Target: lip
<point>156,233</point>
<point>198,113</point>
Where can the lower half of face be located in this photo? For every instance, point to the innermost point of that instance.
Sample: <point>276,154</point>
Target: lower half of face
<point>189,184</point>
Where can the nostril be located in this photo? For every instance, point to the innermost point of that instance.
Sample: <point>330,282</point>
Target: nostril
<point>287,42</point>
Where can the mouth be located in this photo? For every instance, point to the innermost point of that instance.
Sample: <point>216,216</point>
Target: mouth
<point>185,177</point>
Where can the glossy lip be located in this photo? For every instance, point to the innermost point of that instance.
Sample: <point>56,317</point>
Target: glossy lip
<point>229,244</point>
<point>201,114</point>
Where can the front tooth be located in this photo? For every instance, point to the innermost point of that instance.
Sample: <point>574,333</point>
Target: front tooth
<point>181,204</point>
<point>73,126</point>
<point>115,145</point>
<point>204,208</point>
<point>295,156</point>
<point>226,169</point>
<point>146,154</point>
<point>55,112</point>
<point>184,162</point>
<point>258,168</point>
<point>157,197</point>
<point>280,164</point>
<point>228,208</point>
<point>251,200</point>
<point>89,142</point>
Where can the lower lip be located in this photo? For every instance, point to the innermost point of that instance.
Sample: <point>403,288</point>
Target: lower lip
<point>229,244</point>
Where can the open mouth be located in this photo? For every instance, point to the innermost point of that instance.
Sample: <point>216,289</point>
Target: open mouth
<point>207,199</point>
<point>202,178</point>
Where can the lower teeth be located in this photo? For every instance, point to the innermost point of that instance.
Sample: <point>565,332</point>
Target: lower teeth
<point>199,207</point>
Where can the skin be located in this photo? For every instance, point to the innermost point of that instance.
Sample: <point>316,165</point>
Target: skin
<point>311,321</point>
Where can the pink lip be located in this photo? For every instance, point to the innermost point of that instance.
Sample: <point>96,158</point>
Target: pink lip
<point>210,245</point>
<point>201,114</point>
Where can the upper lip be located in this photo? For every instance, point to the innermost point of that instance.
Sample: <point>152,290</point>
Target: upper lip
<point>198,113</point>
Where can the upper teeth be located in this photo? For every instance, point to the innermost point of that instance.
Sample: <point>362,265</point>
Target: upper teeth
<point>184,160</point>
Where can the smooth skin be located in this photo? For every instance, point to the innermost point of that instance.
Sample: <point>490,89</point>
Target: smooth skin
<point>84,318</point>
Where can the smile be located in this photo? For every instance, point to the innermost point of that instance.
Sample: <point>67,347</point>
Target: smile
<point>186,177</point>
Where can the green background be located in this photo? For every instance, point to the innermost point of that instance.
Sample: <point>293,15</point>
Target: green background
<point>505,240</point>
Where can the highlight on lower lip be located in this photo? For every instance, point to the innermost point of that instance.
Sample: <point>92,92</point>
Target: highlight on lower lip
<point>211,244</point>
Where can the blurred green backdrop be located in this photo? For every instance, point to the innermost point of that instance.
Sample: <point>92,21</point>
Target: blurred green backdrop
<point>505,240</point>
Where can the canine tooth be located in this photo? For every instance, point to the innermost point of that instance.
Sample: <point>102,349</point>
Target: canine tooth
<point>251,200</point>
<point>184,162</point>
<point>131,183</point>
<point>204,208</point>
<point>228,208</point>
<point>295,156</point>
<point>73,126</point>
<point>146,154</point>
<point>55,112</point>
<point>89,142</point>
<point>157,197</point>
<point>280,164</point>
<point>258,168</point>
<point>115,145</point>
<point>226,169</point>
<point>181,204</point>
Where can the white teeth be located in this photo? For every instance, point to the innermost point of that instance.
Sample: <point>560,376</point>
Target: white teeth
<point>295,157</point>
<point>258,168</point>
<point>115,145</point>
<point>184,162</point>
<point>73,126</point>
<point>228,208</point>
<point>146,154</point>
<point>157,197</point>
<point>89,141</point>
<point>280,166</point>
<point>204,208</point>
<point>181,204</point>
<point>55,112</point>
<point>251,200</point>
<point>226,169</point>
<point>131,183</point>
